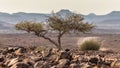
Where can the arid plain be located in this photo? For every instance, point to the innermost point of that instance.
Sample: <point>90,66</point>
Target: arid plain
<point>109,41</point>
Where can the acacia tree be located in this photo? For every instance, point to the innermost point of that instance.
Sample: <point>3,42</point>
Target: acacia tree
<point>61,25</point>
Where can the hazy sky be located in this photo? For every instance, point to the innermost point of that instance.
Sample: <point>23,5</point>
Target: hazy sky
<point>46,6</point>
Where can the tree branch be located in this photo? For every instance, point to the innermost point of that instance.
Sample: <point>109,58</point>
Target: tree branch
<point>49,39</point>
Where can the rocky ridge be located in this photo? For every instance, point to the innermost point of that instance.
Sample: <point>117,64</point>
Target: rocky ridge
<point>20,57</point>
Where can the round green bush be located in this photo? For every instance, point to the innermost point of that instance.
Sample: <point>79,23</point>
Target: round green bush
<point>90,45</point>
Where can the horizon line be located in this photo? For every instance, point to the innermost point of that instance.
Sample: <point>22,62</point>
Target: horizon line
<point>58,11</point>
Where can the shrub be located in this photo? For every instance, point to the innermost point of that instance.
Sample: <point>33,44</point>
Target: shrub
<point>40,48</point>
<point>30,48</point>
<point>36,48</point>
<point>90,45</point>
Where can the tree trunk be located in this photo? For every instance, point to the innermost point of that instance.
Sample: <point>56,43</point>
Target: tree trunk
<point>59,39</point>
<point>58,44</point>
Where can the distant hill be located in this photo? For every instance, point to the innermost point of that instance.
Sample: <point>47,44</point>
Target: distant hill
<point>108,21</point>
<point>4,25</point>
<point>114,15</point>
<point>20,16</point>
<point>7,28</point>
<point>41,17</point>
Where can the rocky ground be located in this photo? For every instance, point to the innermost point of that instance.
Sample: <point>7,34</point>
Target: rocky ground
<point>20,51</point>
<point>20,57</point>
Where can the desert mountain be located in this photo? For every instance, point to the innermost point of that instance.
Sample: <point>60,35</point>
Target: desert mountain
<point>4,25</point>
<point>108,21</point>
<point>20,16</point>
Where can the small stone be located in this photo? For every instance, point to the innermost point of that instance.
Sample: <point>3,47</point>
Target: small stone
<point>94,60</point>
<point>1,59</point>
<point>2,65</point>
<point>115,64</point>
<point>35,58</point>
<point>65,55</point>
<point>41,64</point>
<point>74,65</point>
<point>20,50</point>
<point>85,65</point>
<point>63,63</point>
<point>38,64</point>
<point>13,61</point>
<point>20,65</point>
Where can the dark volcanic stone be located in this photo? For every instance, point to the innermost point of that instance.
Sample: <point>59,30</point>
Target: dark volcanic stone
<point>1,59</point>
<point>94,60</point>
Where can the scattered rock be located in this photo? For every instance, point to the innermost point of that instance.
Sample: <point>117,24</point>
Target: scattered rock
<point>38,64</point>
<point>17,57</point>
<point>1,59</point>
<point>65,55</point>
<point>74,65</point>
<point>19,51</point>
<point>35,59</point>
<point>13,61</point>
<point>63,63</point>
<point>115,64</point>
<point>85,65</point>
<point>94,60</point>
<point>20,65</point>
<point>2,65</point>
<point>41,64</point>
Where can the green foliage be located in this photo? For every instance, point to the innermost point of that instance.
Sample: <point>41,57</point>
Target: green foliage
<point>24,25</point>
<point>31,48</point>
<point>90,45</point>
<point>30,26</point>
<point>69,23</point>
<point>38,48</point>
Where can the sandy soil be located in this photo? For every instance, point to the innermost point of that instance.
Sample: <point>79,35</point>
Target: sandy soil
<point>111,41</point>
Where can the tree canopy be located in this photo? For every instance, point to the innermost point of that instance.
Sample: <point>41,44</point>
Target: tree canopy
<point>61,25</point>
